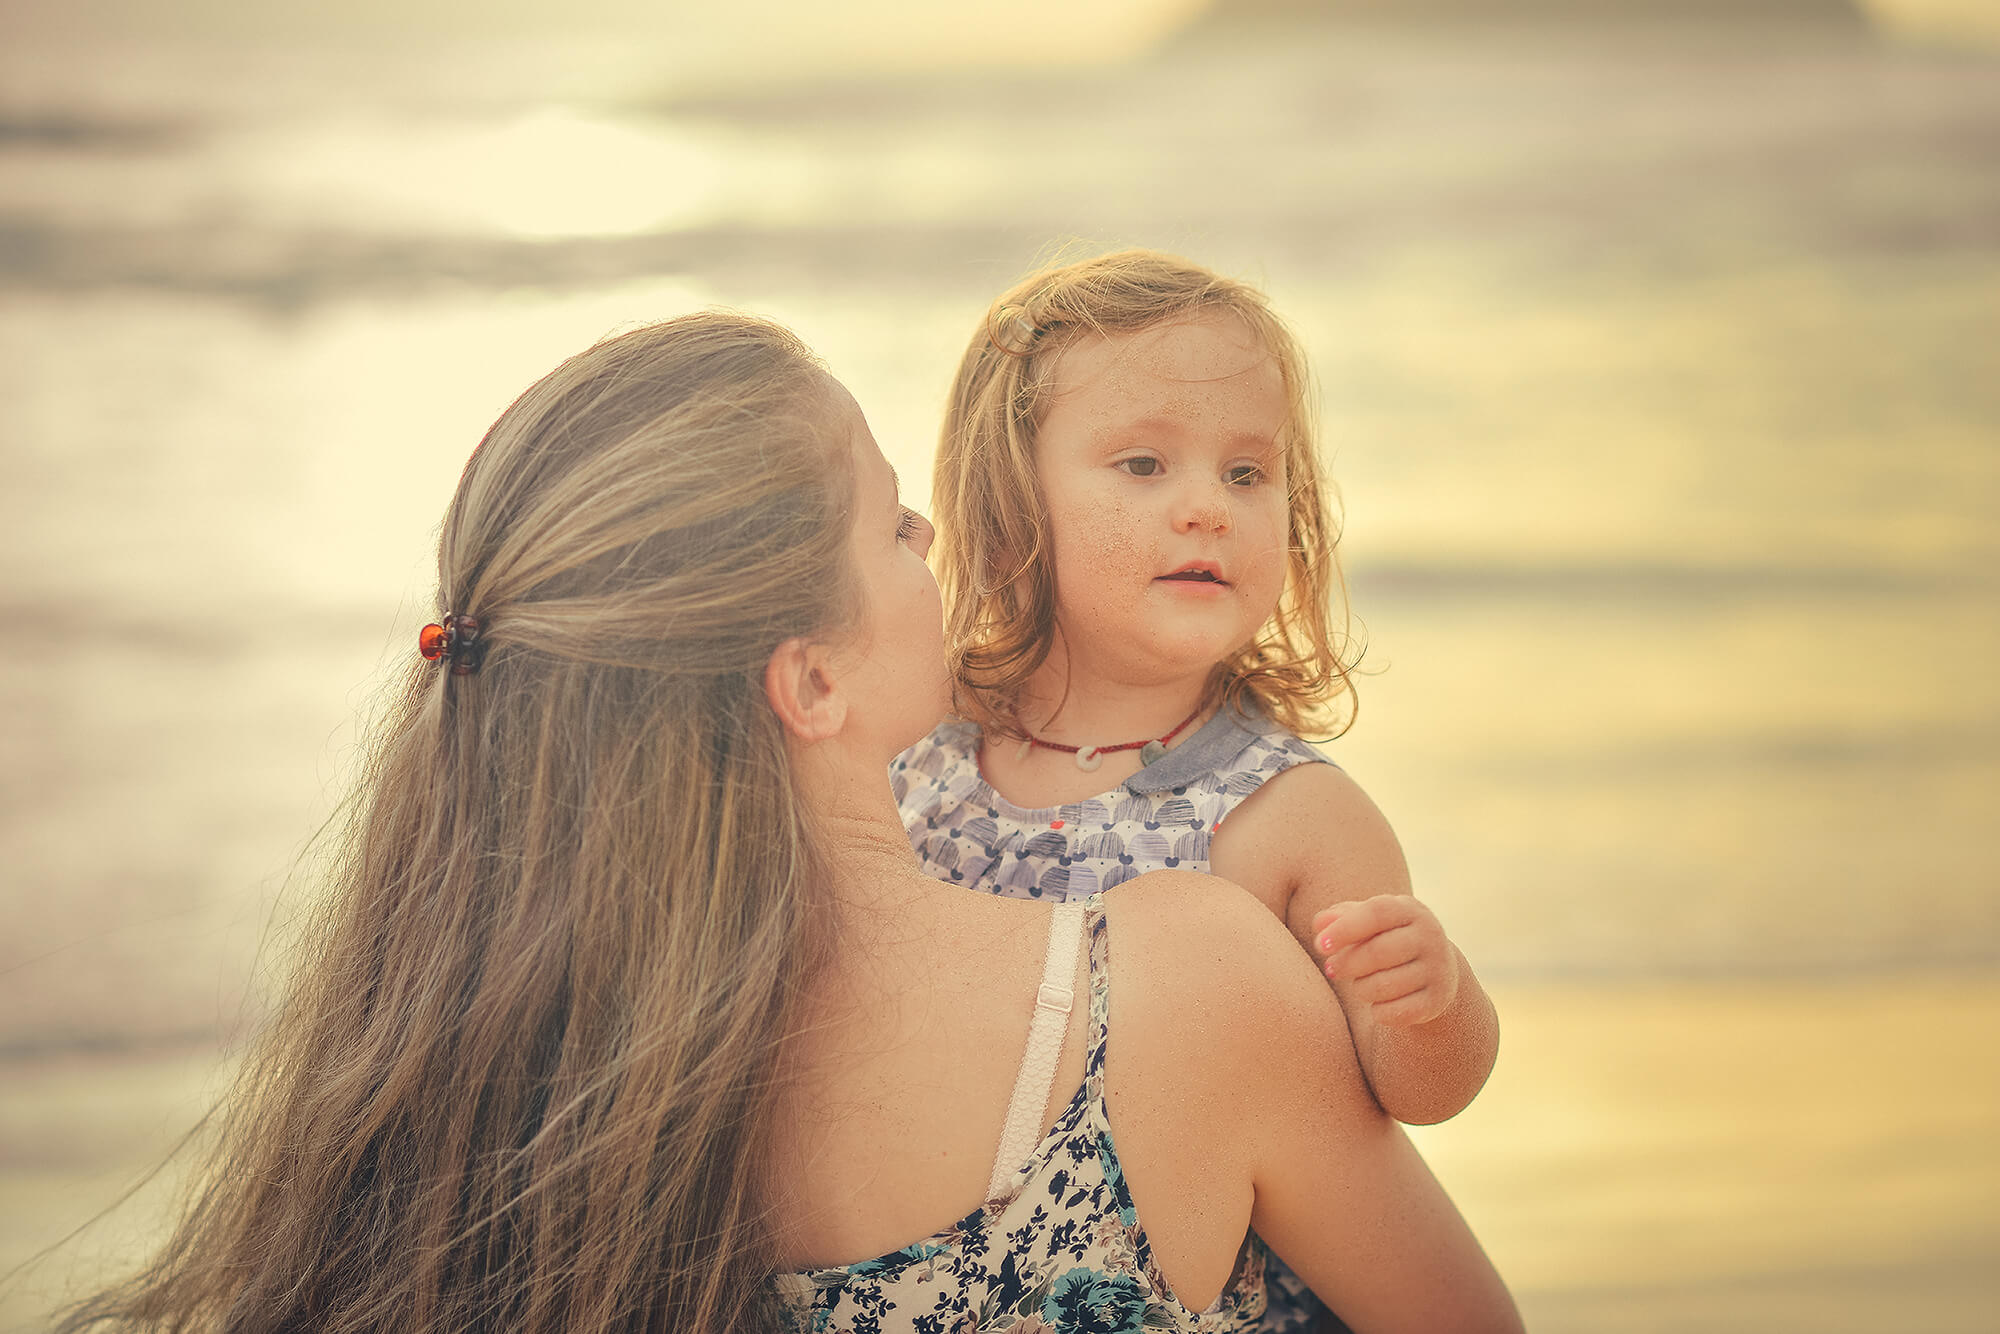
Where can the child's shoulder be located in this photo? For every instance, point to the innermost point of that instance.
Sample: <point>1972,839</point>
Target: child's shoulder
<point>954,739</point>
<point>1236,751</point>
<point>1277,747</point>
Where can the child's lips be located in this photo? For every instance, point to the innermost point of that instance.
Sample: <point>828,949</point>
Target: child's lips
<point>1200,573</point>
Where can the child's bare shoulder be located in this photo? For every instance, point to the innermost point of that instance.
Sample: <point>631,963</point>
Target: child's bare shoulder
<point>1312,824</point>
<point>1312,795</point>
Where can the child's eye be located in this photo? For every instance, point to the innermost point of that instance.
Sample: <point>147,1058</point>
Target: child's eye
<point>1243,474</point>
<point>1140,466</point>
<point>909,525</point>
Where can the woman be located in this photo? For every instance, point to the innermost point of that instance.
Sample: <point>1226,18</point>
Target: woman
<point>629,994</point>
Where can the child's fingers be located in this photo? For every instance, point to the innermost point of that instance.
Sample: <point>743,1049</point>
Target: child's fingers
<point>1391,984</point>
<point>1348,911</point>
<point>1324,917</point>
<point>1350,923</point>
<point>1390,949</point>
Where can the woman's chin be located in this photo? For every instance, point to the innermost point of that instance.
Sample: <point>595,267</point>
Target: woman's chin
<point>924,721</point>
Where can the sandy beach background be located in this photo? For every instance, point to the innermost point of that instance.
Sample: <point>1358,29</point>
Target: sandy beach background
<point>1659,348</point>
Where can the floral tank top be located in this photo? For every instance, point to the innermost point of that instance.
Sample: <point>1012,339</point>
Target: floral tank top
<point>1160,818</point>
<point>1060,1250</point>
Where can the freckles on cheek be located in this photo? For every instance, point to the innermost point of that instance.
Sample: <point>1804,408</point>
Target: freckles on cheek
<point>1102,559</point>
<point>1104,535</point>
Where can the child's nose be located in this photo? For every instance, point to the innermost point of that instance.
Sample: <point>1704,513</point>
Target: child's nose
<point>1203,509</point>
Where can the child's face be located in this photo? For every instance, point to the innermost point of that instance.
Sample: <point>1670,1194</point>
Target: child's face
<point>1161,458</point>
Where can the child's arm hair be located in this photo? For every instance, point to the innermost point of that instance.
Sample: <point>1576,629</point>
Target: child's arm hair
<point>1309,839</point>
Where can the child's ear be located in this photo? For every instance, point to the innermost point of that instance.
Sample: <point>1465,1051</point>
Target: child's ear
<point>804,692</point>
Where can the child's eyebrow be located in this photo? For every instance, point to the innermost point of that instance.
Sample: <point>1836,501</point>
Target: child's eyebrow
<point>1252,440</point>
<point>895,485</point>
<point>1124,432</point>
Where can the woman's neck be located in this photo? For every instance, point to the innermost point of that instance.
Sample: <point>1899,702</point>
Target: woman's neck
<point>860,833</point>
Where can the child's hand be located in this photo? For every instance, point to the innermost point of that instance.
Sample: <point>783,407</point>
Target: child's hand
<point>1393,954</point>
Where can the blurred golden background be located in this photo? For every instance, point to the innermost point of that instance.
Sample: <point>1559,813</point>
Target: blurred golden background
<point>1659,347</point>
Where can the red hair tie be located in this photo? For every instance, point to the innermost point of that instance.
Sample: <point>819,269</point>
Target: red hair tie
<point>457,639</point>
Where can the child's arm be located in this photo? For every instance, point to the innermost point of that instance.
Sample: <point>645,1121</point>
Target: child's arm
<point>1316,850</point>
<point>1209,982</point>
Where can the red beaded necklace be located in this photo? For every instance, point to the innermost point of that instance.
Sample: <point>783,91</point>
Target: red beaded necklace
<point>1090,757</point>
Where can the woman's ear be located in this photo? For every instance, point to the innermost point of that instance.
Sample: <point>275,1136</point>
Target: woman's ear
<point>804,692</point>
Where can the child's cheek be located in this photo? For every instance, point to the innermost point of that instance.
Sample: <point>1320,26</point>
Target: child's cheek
<point>1100,558</point>
<point>1106,538</point>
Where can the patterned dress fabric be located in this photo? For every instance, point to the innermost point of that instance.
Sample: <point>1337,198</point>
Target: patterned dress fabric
<point>1160,818</point>
<point>1060,1250</point>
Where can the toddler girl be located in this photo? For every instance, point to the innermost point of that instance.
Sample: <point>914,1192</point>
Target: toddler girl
<point>1137,561</point>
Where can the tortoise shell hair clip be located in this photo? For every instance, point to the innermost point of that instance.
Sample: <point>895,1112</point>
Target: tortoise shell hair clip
<point>1011,329</point>
<point>457,639</point>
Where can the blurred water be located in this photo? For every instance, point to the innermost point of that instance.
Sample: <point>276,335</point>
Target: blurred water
<point>1658,377</point>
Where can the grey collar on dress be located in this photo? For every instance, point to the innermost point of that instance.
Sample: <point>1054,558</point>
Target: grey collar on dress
<point>1215,743</point>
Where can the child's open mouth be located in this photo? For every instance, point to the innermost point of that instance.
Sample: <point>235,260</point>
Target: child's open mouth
<point>1192,577</point>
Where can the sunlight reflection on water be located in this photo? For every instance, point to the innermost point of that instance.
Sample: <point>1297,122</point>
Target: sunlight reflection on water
<point>552,171</point>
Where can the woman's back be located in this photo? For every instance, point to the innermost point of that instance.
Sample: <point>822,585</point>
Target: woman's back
<point>1149,1171</point>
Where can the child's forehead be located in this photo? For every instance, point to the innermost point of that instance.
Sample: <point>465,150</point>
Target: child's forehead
<point>1211,368</point>
<point>1189,349</point>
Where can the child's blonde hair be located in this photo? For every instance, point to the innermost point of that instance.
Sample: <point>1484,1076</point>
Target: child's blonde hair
<point>993,558</point>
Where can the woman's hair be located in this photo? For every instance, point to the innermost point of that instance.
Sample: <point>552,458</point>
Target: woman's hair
<point>525,1078</point>
<point>993,557</point>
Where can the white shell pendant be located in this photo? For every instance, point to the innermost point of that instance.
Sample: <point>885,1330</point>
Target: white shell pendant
<point>1022,753</point>
<point>1089,758</point>
<point>1150,752</point>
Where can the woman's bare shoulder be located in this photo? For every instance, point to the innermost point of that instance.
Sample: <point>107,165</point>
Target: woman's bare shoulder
<point>1206,957</point>
<point>1233,1042</point>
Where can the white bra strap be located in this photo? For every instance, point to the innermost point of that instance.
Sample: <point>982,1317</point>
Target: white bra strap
<point>1046,1030</point>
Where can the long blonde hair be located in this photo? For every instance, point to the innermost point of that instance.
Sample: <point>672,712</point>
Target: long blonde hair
<point>993,558</point>
<point>525,1079</point>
